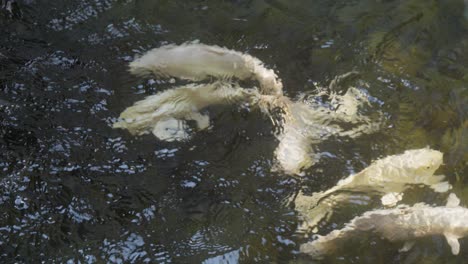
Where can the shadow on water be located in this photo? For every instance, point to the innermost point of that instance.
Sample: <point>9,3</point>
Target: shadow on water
<point>73,189</point>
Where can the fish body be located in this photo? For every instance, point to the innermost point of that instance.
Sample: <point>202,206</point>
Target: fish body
<point>196,62</point>
<point>404,223</point>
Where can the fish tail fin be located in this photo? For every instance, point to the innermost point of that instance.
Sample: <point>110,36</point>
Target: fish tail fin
<point>314,218</point>
<point>269,81</point>
<point>138,69</point>
<point>312,211</point>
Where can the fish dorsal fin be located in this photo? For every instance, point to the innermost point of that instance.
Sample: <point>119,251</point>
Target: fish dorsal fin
<point>453,201</point>
<point>452,240</point>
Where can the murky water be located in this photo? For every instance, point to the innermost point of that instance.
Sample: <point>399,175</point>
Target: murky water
<point>72,189</point>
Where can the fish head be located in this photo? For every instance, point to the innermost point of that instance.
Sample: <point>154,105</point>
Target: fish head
<point>421,162</point>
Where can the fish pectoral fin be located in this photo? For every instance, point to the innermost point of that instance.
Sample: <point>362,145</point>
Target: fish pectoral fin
<point>407,246</point>
<point>435,179</point>
<point>441,187</point>
<point>171,130</point>
<point>453,201</point>
<point>452,240</point>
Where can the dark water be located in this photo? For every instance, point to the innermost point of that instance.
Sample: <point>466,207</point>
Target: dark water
<point>73,190</point>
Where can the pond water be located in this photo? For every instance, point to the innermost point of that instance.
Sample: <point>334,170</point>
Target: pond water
<point>72,189</point>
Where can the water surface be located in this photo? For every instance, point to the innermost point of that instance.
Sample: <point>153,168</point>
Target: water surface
<point>73,190</point>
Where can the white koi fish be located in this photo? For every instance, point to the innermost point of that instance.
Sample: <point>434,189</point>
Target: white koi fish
<point>164,114</point>
<point>388,176</point>
<point>404,223</point>
<point>196,62</point>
